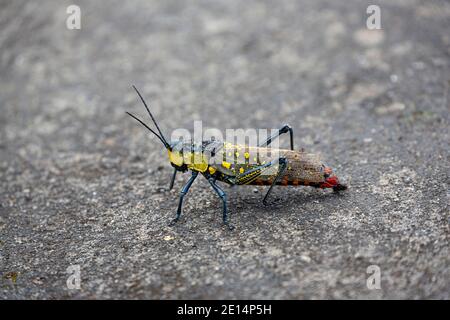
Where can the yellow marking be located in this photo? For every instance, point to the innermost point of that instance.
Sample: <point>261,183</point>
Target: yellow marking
<point>241,170</point>
<point>246,155</point>
<point>249,177</point>
<point>212,170</point>
<point>254,159</point>
<point>176,158</point>
<point>237,154</point>
<point>226,165</point>
<point>195,161</point>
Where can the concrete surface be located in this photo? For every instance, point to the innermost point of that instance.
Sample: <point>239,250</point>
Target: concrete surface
<point>82,184</point>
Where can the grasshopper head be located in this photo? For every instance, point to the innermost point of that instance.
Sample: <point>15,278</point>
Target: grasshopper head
<point>176,158</point>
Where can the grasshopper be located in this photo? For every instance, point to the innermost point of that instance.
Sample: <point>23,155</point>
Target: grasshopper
<point>250,165</point>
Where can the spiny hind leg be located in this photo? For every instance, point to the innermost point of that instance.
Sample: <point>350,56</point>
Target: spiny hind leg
<point>286,128</point>
<point>222,196</point>
<point>183,192</point>
<point>255,172</point>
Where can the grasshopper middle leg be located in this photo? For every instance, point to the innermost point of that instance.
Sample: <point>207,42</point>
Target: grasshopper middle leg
<point>222,196</point>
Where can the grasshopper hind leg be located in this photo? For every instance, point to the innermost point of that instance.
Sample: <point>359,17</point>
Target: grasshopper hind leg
<point>285,129</point>
<point>183,192</point>
<point>281,169</point>
<point>222,196</point>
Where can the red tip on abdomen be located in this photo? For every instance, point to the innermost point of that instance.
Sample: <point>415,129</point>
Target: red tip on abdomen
<point>330,182</point>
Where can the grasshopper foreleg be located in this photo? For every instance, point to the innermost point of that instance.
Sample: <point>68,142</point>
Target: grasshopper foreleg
<point>183,192</point>
<point>173,179</point>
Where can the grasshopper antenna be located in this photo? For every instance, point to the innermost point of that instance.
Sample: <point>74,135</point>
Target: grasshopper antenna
<point>151,116</point>
<point>137,119</point>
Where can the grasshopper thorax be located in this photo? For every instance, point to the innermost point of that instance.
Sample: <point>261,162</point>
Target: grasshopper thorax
<point>184,156</point>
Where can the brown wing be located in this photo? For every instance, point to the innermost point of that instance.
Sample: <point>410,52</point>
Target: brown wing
<point>302,166</point>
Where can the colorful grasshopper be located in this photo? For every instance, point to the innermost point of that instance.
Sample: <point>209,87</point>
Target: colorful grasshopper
<point>250,165</point>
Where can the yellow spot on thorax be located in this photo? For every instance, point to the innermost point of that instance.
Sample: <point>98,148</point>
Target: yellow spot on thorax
<point>226,165</point>
<point>195,161</point>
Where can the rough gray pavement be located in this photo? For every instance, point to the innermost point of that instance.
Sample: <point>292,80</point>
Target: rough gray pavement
<point>83,184</point>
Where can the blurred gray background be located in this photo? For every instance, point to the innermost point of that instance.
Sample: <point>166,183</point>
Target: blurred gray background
<point>83,184</point>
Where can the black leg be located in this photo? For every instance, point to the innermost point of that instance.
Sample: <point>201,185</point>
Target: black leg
<point>286,128</point>
<point>173,178</point>
<point>281,169</point>
<point>182,194</point>
<point>222,196</point>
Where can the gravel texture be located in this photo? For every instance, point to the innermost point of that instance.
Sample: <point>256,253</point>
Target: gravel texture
<point>83,184</point>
